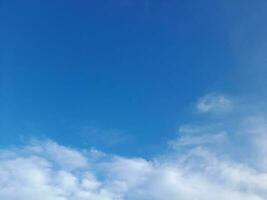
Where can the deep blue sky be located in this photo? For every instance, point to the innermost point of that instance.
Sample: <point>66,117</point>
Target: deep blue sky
<point>117,74</point>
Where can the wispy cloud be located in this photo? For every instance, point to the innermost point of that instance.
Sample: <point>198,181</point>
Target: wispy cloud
<point>103,136</point>
<point>198,135</point>
<point>204,139</point>
<point>214,103</point>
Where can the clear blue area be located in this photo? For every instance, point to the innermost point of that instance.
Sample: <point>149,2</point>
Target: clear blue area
<point>119,75</point>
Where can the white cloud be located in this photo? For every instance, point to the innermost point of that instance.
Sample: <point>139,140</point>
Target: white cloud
<point>255,128</point>
<point>191,140</point>
<point>37,172</point>
<point>198,135</point>
<point>214,103</point>
<point>49,171</point>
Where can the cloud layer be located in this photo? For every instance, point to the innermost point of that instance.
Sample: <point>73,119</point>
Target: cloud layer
<point>49,171</point>
<point>193,169</point>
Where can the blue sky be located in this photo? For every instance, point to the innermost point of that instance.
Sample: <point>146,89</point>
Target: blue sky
<point>133,99</point>
<point>130,68</point>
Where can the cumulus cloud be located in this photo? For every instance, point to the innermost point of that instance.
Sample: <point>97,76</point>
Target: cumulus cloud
<point>46,170</point>
<point>49,171</point>
<point>214,103</point>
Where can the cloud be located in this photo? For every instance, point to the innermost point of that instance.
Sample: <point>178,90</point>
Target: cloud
<point>49,171</point>
<point>190,135</point>
<point>214,103</point>
<point>255,128</point>
<point>107,137</point>
<point>46,170</point>
<point>191,140</point>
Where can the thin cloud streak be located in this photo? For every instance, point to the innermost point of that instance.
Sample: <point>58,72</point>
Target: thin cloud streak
<point>214,103</point>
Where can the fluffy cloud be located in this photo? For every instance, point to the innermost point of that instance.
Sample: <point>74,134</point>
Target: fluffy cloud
<point>192,170</point>
<point>48,171</point>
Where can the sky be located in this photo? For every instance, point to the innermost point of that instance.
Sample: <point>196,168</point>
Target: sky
<point>133,99</point>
